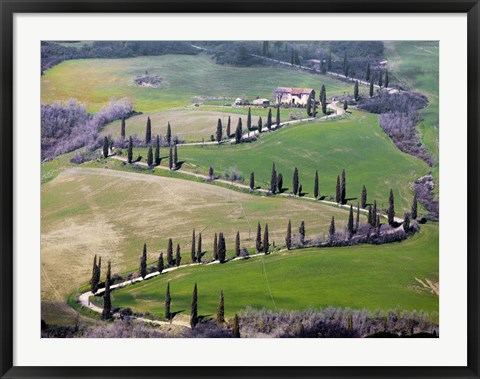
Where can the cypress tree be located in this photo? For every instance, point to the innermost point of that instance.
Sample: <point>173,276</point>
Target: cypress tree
<point>309,106</point>
<point>377,224</point>
<point>237,244</point>
<point>414,207</point>
<point>193,252</point>
<point>344,188</point>
<point>370,218</point>
<point>323,95</point>
<point>288,237</point>
<point>252,181</point>
<point>406,222</point>
<point>380,78</point>
<point>301,232</point>
<point>160,265</point>
<point>314,106</point>
<point>386,78</point>
<point>338,191</point>
<point>211,173</point>
<point>221,310</point>
<point>315,185</point>
<point>175,157</point>
<point>219,131</point>
<point>269,119</point>
<point>236,327</point>
<point>130,150</point>
<point>345,65</point>
<point>273,180</point>
<point>329,62</point>
<point>364,197</point>
<point>391,208</point>
<point>238,131</point>
<point>107,302</point>
<point>93,280</point>
<point>355,90</point>
<point>260,126</point>
<point>371,87</point>
<point>168,299</point>
<point>215,247</point>
<point>295,181</point>
<point>258,243</point>
<point>157,151</point>
<point>266,244</point>
<point>170,158</point>
<point>199,249</point>
<point>150,157</point>
<point>99,271</point>
<point>148,131</point>
<point>169,134</point>
<point>300,190</point>
<point>178,257</point>
<point>249,119</point>
<point>350,221</point>
<point>222,249</point>
<point>374,213</point>
<point>170,260</point>
<point>143,262</point>
<point>357,222</point>
<point>331,230</point>
<point>367,75</point>
<point>228,128</point>
<point>280,182</point>
<point>345,105</point>
<point>122,128</point>
<point>105,147</point>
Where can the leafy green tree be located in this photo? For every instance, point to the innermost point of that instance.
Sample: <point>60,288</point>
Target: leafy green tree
<point>107,302</point>
<point>258,243</point>
<point>295,181</point>
<point>150,157</point>
<point>273,180</point>
<point>351,230</point>
<point>260,126</point>
<point>170,159</point>
<point>169,134</point>
<point>106,145</point>
<point>338,192</point>
<point>280,182</point>
<point>219,131</point>
<point>266,244</point>
<point>215,247</point>
<point>148,131</point>
<point>288,237</point>
<point>364,197</point>
<point>168,300</point>
<point>391,208</point>
<point>269,119</point>
<point>130,150</point>
<point>193,253</point>
<point>301,232</point>
<point>178,257</point>
<point>355,90</point>
<point>249,119</point>
<point>160,265</point>
<point>236,327</point>
<point>331,230</point>
<point>157,151</point>
<point>237,244</point>
<point>221,310</point>
<point>170,259</point>
<point>228,128</point>
<point>414,214</point>
<point>252,181</point>
<point>315,185</point>
<point>122,128</point>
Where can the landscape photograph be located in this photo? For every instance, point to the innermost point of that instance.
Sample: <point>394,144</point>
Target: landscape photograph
<point>239,189</point>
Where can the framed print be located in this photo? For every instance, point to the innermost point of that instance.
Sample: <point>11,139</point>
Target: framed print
<point>243,190</point>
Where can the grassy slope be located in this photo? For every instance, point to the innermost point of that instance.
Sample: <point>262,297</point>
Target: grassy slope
<point>415,64</point>
<point>112,213</point>
<point>372,277</point>
<point>95,81</point>
<point>356,144</point>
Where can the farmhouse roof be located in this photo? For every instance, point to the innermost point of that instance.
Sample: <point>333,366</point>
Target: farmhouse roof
<point>294,91</point>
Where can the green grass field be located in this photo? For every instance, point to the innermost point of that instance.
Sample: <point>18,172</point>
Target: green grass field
<point>356,144</point>
<point>95,81</point>
<point>371,277</point>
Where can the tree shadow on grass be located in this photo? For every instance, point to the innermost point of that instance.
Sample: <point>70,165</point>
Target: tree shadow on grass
<point>179,165</point>
<point>351,198</point>
<point>173,314</point>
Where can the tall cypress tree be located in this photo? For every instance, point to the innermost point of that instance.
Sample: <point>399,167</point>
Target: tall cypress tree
<point>323,99</point>
<point>193,253</point>
<point>107,302</point>
<point>278,116</point>
<point>315,185</point>
<point>215,247</point>
<point>130,150</point>
<point>169,134</point>
<point>338,191</point>
<point>357,222</point>
<point>105,147</point>
<point>157,151</point>
<point>295,181</point>
<point>280,182</point>
<point>222,249</point>
<point>148,131</point>
<point>273,180</point>
<point>331,230</point>
<point>99,271</point>
<point>309,106</point>
<point>288,237</point>
<point>199,249</point>
<point>370,214</point>
<point>219,130</point>
<point>269,119</point>
<point>414,207</point>
<point>377,224</point>
<point>301,232</point>
<point>258,243</point>
<point>170,158</point>
<point>238,131</point>
<point>260,126</point>
<point>93,280</point>
<point>122,128</point>
<point>252,181</point>
<point>228,128</point>
<point>386,78</point>
<point>374,213</point>
<point>345,65</point>
<point>345,105</point>
<point>160,265</point>
<point>329,61</point>
<point>178,257</point>
<point>236,327</point>
<point>344,188</point>
<point>249,119</point>
<point>168,299</point>
<point>237,244</point>
<point>371,87</point>
<point>391,208</point>
<point>170,260</point>
<point>150,157</point>
<point>406,222</point>
<point>355,90</point>
<point>380,78</point>
<point>314,106</point>
<point>364,197</point>
<point>143,262</point>
<point>175,157</point>
<point>266,244</point>
<point>351,230</point>
<point>221,310</point>
<point>367,75</point>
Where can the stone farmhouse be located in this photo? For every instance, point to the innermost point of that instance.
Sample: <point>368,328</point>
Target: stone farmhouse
<point>293,96</point>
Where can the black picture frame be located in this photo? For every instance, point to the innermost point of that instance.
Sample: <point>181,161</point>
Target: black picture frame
<point>10,8</point>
